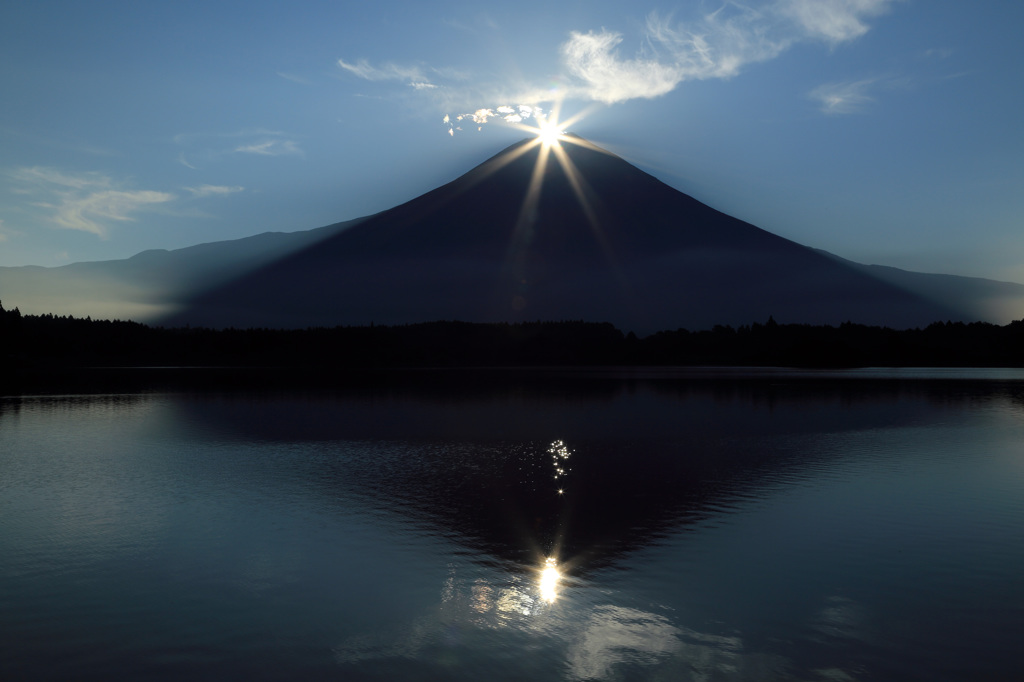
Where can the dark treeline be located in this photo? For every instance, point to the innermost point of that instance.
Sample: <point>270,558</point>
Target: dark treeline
<point>51,341</point>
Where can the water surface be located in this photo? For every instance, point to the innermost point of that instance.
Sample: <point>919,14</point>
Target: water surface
<point>705,526</point>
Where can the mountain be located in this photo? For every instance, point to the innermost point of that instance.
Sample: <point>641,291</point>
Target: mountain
<point>513,240</point>
<point>604,242</point>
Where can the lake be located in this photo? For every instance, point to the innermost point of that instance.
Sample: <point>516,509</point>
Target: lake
<point>519,525</point>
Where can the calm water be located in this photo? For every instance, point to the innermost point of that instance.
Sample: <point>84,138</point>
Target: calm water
<point>704,526</point>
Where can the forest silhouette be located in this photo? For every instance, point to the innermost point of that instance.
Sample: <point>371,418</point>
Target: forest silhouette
<point>47,341</point>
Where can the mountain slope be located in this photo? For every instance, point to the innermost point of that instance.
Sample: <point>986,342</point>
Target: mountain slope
<point>150,284</point>
<point>635,252</point>
<point>975,297</point>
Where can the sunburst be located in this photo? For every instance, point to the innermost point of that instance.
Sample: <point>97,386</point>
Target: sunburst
<point>551,134</point>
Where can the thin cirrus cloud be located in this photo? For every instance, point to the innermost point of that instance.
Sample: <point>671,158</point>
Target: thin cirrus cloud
<point>272,147</point>
<point>212,191</point>
<point>91,202</point>
<point>411,75</point>
<point>85,201</point>
<point>199,149</point>
<point>844,98</point>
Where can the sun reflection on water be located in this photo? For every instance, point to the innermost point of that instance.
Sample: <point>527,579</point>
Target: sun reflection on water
<point>559,455</point>
<point>549,578</point>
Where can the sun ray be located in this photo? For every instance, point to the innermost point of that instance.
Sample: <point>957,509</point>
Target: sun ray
<point>550,135</point>
<point>522,233</point>
<point>587,199</point>
<point>488,169</point>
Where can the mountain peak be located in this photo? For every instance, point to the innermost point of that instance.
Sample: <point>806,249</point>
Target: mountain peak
<point>560,231</point>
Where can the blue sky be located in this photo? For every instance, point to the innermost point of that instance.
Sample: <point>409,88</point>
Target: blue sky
<point>885,131</point>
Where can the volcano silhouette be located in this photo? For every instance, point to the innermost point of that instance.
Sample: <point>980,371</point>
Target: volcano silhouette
<point>592,238</point>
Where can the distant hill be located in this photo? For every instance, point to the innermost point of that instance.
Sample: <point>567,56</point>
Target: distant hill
<point>152,284</point>
<point>975,298</point>
<point>513,240</point>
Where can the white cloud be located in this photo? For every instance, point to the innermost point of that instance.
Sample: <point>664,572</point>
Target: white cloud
<point>598,66</point>
<point>479,116</point>
<point>270,148</point>
<point>51,176</point>
<point>86,201</point>
<point>843,98</point>
<point>212,190</point>
<point>203,148</point>
<point>413,75</point>
<point>293,78</point>
<point>717,45</point>
<point>508,113</point>
<point>936,53</point>
<point>834,21</point>
<point>85,213</point>
<point>592,58</point>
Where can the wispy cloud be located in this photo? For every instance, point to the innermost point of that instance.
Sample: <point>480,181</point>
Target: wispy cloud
<point>714,45</point>
<point>591,57</point>
<point>270,148</point>
<point>936,53</point>
<point>77,146</point>
<point>41,175</point>
<point>87,212</point>
<point>411,75</point>
<point>717,45</point>
<point>480,23</point>
<point>596,65</point>
<point>212,191</point>
<point>293,78</point>
<point>834,21</point>
<point>844,98</point>
<point>199,149</point>
<point>85,201</point>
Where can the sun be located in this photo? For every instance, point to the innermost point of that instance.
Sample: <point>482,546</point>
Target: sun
<point>549,133</point>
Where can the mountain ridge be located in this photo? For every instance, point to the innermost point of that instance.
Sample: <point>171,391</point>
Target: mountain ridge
<point>518,238</point>
<point>638,253</point>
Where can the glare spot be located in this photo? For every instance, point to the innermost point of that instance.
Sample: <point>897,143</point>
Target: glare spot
<point>549,578</point>
<point>549,133</point>
<point>559,454</point>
